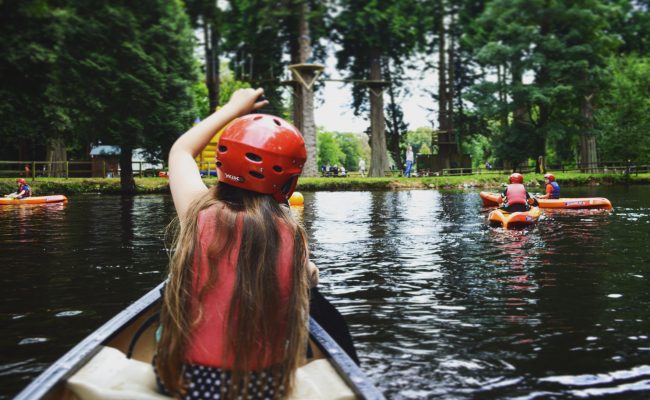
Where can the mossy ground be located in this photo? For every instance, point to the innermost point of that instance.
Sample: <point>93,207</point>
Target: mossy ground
<point>46,186</point>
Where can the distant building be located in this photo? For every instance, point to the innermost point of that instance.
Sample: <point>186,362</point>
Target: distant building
<point>106,161</point>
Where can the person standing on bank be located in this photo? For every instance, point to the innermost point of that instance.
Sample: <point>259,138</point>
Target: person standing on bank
<point>362,167</point>
<point>409,161</point>
<point>234,321</point>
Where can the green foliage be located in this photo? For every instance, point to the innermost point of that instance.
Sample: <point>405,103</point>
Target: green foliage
<point>624,113</point>
<point>28,53</point>
<point>88,71</point>
<point>366,29</point>
<point>424,149</point>
<point>419,138</point>
<point>329,151</point>
<point>563,45</point>
<point>479,148</point>
<point>336,148</point>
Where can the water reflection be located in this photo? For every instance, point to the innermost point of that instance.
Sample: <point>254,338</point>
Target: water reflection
<point>69,268</point>
<point>441,305</point>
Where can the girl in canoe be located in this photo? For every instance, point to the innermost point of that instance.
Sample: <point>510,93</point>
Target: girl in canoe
<point>516,198</point>
<point>236,306</point>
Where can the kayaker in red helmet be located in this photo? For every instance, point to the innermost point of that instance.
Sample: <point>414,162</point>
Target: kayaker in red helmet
<point>23,190</point>
<point>552,188</point>
<point>515,198</point>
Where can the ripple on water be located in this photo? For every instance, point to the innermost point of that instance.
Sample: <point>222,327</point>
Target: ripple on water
<point>32,340</point>
<point>70,313</point>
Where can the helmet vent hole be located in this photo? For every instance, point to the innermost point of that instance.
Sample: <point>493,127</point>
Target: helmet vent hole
<point>219,164</point>
<point>277,122</point>
<point>256,174</point>
<point>257,118</point>
<point>253,157</point>
<point>277,168</point>
<point>223,149</point>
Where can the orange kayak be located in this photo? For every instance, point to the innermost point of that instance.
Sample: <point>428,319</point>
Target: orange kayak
<point>570,203</point>
<point>508,220</point>
<point>57,198</point>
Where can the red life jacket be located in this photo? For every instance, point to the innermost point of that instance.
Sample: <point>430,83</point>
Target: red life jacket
<point>208,344</point>
<point>516,194</point>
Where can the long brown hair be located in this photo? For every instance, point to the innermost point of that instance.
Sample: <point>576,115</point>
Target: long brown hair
<point>256,319</point>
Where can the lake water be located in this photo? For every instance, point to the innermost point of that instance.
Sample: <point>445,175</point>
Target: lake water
<point>439,304</point>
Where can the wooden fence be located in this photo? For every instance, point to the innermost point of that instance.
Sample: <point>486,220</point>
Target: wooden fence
<point>599,168</point>
<point>64,169</point>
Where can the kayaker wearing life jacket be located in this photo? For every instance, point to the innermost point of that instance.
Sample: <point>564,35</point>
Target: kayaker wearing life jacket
<point>515,198</point>
<point>23,190</point>
<point>552,188</point>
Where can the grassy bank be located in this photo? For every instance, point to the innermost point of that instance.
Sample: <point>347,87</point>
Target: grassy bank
<point>46,186</point>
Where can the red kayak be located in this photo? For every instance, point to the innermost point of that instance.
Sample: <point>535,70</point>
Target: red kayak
<point>567,203</point>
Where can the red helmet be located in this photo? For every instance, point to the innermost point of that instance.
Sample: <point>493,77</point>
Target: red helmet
<point>261,153</point>
<point>550,177</point>
<point>516,178</point>
<point>21,181</point>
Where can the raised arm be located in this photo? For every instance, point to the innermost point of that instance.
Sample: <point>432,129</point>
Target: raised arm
<point>184,177</point>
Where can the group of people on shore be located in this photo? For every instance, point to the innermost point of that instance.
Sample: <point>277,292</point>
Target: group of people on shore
<point>327,170</point>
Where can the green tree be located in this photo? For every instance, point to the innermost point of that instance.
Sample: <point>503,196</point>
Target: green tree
<point>31,32</point>
<point>419,138</point>
<point>353,147</point>
<point>253,32</point>
<point>131,70</point>
<point>329,151</point>
<point>370,31</point>
<point>206,16</point>
<point>563,44</point>
<point>623,118</point>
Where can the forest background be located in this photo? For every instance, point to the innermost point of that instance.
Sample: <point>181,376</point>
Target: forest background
<point>515,80</point>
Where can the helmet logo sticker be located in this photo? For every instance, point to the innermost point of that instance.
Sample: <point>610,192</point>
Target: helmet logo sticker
<point>235,178</point>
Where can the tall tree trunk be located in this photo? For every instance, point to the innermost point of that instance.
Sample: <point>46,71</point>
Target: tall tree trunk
<point>394,134</point>
<point>56,155</point>
<point>503,100</point>
<point>449,98</point>
<point>540,129</point>
<point>304,101</point>
<point>127,183</point>
<point>211,47</point>
<point>378,156</point>
<point>588,153</point>
<point>442,71</point>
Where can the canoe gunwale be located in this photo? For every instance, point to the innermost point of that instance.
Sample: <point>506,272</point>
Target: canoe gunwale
<point>74,359</point>
<point>343,364</point>
<point>54,377</point>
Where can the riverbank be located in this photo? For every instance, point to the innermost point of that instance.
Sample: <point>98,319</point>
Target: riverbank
<point>46,186</point>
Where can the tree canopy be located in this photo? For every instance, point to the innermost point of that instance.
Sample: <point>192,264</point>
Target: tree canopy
<point>515,79</point>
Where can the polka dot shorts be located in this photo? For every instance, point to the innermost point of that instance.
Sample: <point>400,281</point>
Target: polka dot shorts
<point>206,382</point>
